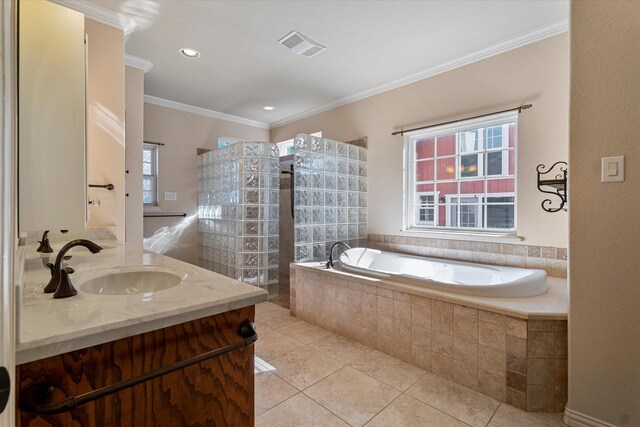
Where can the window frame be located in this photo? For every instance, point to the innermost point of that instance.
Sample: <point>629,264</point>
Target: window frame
<point>154,174</point>
<point>411,219</point>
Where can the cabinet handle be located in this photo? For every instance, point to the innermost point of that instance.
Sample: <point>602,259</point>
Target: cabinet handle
<point>37,397</point>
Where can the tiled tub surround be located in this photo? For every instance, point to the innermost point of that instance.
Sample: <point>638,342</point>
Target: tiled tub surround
<point>552,260</point>
<point>238,212</point>
<point>511,349</point>
<point>330,195</point>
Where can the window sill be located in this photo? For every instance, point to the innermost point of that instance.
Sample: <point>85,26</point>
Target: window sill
<point>464,235</point>
<point>151,209</point>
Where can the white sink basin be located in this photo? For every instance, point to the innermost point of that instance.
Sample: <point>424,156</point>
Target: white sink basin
<point>132,282</point>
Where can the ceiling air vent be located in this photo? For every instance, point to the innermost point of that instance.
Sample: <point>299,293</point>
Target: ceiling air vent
<point>301,44</point>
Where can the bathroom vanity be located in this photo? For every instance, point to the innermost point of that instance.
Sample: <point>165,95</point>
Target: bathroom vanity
<point>120,327</point>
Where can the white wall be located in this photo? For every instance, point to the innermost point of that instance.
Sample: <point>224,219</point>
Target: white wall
<point>604,312</point>
<point>134,86</point>
<point>183,133</point>
<point>537,73</point>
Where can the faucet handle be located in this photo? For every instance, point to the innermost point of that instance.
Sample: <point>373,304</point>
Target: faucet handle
<point>65,288</point>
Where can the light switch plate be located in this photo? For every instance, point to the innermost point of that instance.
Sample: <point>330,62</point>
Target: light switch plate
<point>170,196</point>
<point>613,169</point>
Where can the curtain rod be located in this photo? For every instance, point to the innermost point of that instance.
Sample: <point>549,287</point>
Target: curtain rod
<point>154,143</point>
<point>519,109</point>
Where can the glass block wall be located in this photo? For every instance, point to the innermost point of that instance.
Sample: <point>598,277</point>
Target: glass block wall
<point>330,196</point>
<point>238,211</point>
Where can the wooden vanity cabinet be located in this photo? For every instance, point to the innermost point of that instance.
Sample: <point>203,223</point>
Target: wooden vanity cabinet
<point>217,392</point>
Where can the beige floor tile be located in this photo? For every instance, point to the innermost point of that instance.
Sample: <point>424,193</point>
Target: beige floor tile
<point>391,371</point>
<point>270,391</point>
<point>509,416</point>
<point>406,411</point>
<point>341,348</point>
<point>276,319</point>
<point>352,395</point>
<point>273,344</point>
<point>458,401</point>
<point>265,307</point>
<point>304,367</point>
<point>304,332</point>
<point>299,411</point>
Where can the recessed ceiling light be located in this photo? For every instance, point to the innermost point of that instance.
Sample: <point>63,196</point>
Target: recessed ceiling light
<point>189,53</point>
<point>269,107</point>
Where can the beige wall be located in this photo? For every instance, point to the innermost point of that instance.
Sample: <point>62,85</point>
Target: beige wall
<point>105,125</point>
<point>537,73</point>
<point>183,133</point>
<point>134,87</point>
<point>604,317</point>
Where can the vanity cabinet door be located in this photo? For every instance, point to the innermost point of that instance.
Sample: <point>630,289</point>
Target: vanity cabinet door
<point>51,120</point>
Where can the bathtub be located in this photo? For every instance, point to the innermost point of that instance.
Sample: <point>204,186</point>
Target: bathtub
<point>451,276</point>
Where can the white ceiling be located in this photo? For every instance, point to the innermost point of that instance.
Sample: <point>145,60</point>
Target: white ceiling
<point>371,46</point>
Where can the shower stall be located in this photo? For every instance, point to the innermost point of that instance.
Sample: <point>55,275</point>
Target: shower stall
<point>329,188</point>
<point>258,212</point>
<point>238,212</point>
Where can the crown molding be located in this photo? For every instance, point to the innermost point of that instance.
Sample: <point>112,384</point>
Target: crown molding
<point>134,61</point>
<point>496,49</point>
<point>100,14</point>
<point>203,112</point>
<point>576,419</point>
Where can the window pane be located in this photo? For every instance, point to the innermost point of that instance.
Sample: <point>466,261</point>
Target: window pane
<point>506,185</point>
<point>500,216</point>
<point>447,145</point>
<point>469,165</point>
<point>147,197</point>
<point>146,168</point>
<point>146,156</point>
<point>146,185</point>
<point>494,137</point>
<point>494,163</point>
<point>446,168</point>
<point>424,170</point>
<point>424,149</point>
<point>470,216</point>
<point>468,141</point>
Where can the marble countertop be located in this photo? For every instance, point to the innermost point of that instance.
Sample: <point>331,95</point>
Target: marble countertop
<point>552,305</point>
<point>48,326</point>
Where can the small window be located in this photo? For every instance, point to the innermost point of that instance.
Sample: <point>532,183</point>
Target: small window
<point>462,176</point>
<point>225,142</point>
<point>150,175</point>
<point>286,147</point>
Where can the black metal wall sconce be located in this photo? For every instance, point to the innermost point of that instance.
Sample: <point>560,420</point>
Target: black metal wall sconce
<point>556,186</point>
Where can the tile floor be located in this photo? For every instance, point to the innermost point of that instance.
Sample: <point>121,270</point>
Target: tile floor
<point>281,294</point>
<point>307,376</point>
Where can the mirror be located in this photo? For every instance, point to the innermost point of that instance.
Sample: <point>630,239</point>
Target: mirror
<point>51,117</point>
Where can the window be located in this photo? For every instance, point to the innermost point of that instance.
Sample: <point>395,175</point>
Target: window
<point>150,175</point>
<point>462,176</point>
<point>225,142</point>
<point>286,147</point>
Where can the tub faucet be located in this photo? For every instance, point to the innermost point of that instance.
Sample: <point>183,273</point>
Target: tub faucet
<point>60,282</point>
<point>330,262</point>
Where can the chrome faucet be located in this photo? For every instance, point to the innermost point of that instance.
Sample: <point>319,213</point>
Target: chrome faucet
<point>60,282</point>
<point>330,262</point>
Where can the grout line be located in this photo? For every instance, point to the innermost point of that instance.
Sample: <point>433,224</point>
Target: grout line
<point>386,406</point>
<point>494,414</point>
<point>322,404</point>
